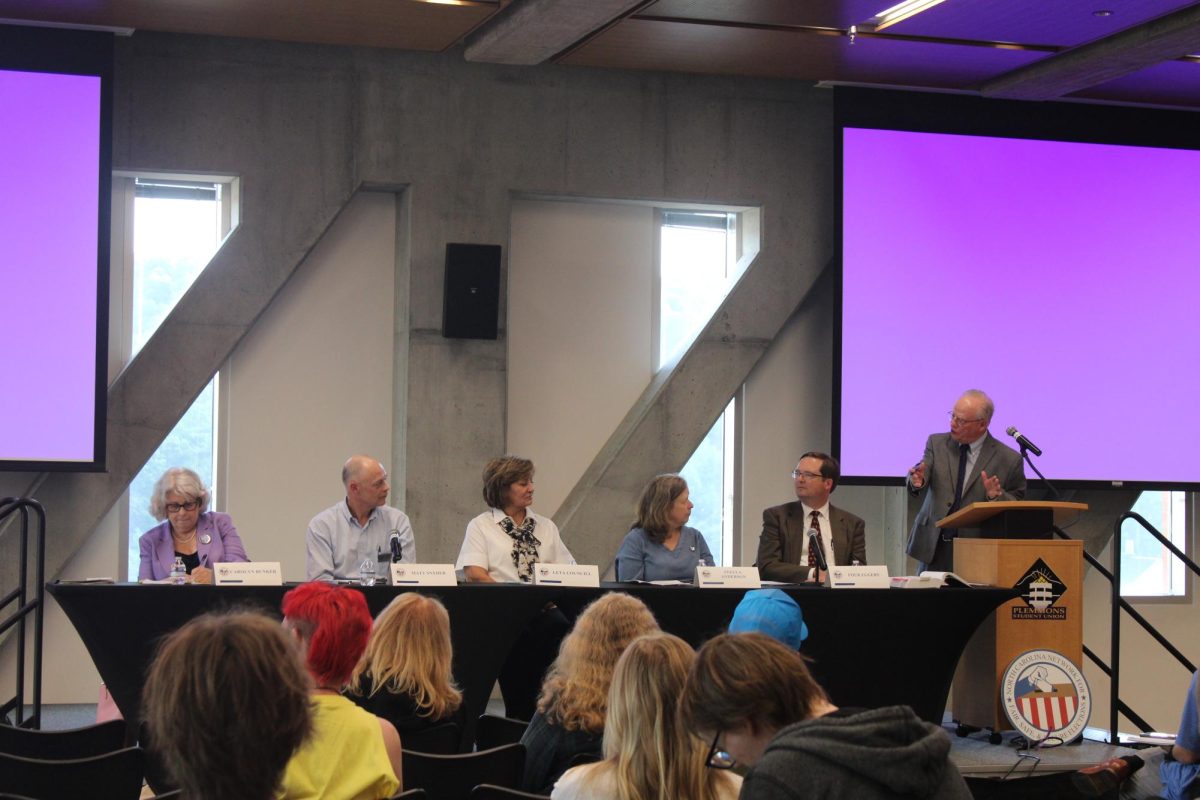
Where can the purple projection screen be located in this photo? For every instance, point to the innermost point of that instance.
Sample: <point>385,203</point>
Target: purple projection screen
<point>1062,278</point>
<point>50,168</point>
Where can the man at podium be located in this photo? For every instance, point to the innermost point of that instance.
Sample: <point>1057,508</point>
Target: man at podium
<point>961,467</point>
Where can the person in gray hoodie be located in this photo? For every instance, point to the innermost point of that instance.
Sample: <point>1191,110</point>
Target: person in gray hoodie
<point>759,705</point>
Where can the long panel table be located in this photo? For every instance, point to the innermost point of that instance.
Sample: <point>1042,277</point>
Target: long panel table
<point>870,647</point>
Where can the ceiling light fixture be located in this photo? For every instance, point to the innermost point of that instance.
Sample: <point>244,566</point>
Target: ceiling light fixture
<point>1103,12</point>
<point>897,13</point>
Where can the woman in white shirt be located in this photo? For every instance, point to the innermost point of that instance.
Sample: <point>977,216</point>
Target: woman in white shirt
<point>646,752</point>
<point>501,546</point>
<point>503,543</point>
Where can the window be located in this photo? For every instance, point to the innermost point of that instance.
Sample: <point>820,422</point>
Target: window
<point>175,227</point>
<point>1147,568</point>
<point>176,230</point>
<point>698,264</point>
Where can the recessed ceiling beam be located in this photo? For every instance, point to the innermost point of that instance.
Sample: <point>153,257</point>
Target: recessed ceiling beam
<point>533,31</point>
<point>1163,39</point>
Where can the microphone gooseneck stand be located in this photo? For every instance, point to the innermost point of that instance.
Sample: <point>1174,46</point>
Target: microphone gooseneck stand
<point>1025,455</point>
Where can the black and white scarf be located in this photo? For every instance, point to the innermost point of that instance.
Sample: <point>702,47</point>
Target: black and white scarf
<point>525,546</point>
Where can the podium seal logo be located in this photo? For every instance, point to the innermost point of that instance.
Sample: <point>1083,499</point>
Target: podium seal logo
<point>1045,696</point>
<point>1041,589</point>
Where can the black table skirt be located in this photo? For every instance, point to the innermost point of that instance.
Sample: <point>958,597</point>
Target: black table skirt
<point>870,647</point>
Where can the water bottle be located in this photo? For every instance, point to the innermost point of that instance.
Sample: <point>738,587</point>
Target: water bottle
<point>366,572</point>
<point>178,572</point>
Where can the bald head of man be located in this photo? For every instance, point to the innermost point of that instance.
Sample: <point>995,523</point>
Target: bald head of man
<point>366,483</point>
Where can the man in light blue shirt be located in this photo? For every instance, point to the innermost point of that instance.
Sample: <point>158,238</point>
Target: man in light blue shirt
<point>359,527</point>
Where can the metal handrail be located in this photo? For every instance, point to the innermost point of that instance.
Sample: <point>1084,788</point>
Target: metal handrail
<point>1119,604</point>
<point>26,607</point>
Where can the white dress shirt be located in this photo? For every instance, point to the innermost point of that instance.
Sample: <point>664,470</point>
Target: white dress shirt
<point>826,533</point>
<point>486,545</point>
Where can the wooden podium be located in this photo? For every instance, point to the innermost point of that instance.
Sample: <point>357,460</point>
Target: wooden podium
<point>1048,615</point>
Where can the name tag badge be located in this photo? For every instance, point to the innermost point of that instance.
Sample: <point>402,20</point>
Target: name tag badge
<point>861,577</point>
<point>566,575</point>
<point>247,573</point>
<point>727,577</point>
<point>423,575</point>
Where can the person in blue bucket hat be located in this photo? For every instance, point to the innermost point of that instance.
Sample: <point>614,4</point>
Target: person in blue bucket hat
<point>772,612</point>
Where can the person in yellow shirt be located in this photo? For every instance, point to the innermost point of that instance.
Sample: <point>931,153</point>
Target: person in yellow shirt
<point>351,754</point>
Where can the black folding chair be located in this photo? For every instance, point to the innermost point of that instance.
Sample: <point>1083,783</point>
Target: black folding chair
<point>492,731</point>
<point>113,776</point>
<point>440,739</point>
<point>93,740</point>
<point>453,777</point>
<point>579,759</point>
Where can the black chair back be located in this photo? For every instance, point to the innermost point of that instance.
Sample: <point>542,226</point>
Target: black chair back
<point>493,731</point>
<point>113,776</point>
<point>440,739</point>
<point>579,759</point>
<point>453,777</point>
<point>486,791</point>
<point>94,740</point>
<point>156,774</point>
<point>410,794</point>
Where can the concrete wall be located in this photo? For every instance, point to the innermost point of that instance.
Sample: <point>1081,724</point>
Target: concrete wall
<point>579,332</point>
<point>312,384</point>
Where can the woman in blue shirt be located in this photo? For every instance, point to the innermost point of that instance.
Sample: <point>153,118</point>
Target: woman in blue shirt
<point>659,547</point>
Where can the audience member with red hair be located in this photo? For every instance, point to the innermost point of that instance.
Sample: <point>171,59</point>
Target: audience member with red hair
<point>352,754</point>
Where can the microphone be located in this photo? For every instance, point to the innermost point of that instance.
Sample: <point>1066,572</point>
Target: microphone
<point>1025,443</point>
<point>816,548</point>
<point>394,543</point>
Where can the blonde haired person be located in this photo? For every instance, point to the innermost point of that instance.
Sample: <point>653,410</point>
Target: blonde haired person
<point>571,710</point>
<point>404,676</point>
<point>659,545</point>
<point>647,754</point>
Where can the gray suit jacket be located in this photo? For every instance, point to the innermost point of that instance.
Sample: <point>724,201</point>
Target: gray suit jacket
<point>781,545</point>
<point>941,469</point>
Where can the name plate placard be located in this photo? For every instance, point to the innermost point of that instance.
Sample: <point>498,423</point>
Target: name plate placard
<point>247,573</point>
<point>861,577</point>
<point>566,575</point>
<point>423,575</point>
<point>727,578</point>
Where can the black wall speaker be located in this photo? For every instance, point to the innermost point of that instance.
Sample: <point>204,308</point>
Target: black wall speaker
<point>471,299</point>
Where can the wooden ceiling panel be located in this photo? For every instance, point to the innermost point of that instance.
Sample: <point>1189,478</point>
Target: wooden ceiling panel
<point>712,49</point>
<point>814,13</point>
<point>402,24</point>
<point>683,47</point>
<point>1064,23</point>
<point>1173,83</point>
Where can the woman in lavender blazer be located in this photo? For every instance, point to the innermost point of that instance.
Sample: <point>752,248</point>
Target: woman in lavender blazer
<point>189,530</point>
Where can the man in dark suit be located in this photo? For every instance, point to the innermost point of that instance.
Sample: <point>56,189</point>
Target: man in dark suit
<point>783,547</point>
<point>961,467</point>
